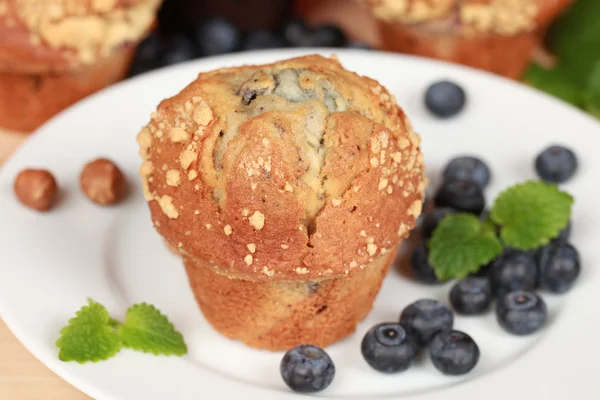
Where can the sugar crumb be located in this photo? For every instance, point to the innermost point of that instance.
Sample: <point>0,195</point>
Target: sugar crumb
<point>371,249</point>
<point>383,182</point>
<point>173,178</point>
<point>257,220</point>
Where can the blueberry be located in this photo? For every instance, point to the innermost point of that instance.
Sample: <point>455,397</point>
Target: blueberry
<point>431,221</point>
<point>471,296</point>
<point>559,266</point>
<point>520,312</point>
<point>217,36</point>
<point>149,55</point>
<point>513,270</point>
<point>169,16</point>
<point>426,318</point>
<point>324,36</point>
<point>258,40</point>
<point>463,196</point>
<point>445,99</point>
<point>389,347</point>
<point>468,168</point>
<point>179,49</point>
<point>307,369</point>
<point>453,352</point>
<point>565,234</point>
<point>294,31</point>
<point>556,164</point>
<point>421,270</point>
<point>484,271</point>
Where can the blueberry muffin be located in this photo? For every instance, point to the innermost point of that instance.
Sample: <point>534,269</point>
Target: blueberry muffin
<point>53,53</point>
<point>494,35</point>
<point>286,189</point>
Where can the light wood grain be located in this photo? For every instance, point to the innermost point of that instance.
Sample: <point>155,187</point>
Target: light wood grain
<point>22,376</point>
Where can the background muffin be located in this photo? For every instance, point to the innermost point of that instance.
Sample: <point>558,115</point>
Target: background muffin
<point>287,189</point>
<point>495,35</point>
<point>53,53</point>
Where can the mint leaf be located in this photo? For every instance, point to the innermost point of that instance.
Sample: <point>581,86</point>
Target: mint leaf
<point>488,226</point>
<point>460,245</point>
<point>147,330</point>
<point>556,83</point>
<point>575,40</point>
<point>593,92</point>
<point>88,336</point>
<point>531,213</point>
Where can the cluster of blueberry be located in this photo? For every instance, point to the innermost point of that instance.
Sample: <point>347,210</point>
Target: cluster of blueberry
<point>220,36</point>
<point>511,278</point>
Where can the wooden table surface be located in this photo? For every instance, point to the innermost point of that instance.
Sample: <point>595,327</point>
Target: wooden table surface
<point>22,376</point>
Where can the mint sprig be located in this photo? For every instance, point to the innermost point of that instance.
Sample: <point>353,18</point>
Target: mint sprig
<point>525,216</point>
<point>88,336</point>
<point>531,214</point>
<point>460,245</point>
<point>146,329</point>
<point>92,335</point>
<point>574,40</point>
<point>592,96</point>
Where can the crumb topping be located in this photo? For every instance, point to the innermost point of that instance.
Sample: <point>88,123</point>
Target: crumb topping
<point>166,205</point>
<point>173,178</point>
<point>86,31</point>
<point>505,17</point>
<point>292,142</point>
<point>257,220</point>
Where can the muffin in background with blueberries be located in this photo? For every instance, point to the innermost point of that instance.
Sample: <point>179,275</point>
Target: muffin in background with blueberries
<point>494,35</point>
<point>53,53</point>
<point>286,188</point>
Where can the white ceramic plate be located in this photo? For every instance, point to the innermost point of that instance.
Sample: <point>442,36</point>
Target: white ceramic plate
<point>52,263</point>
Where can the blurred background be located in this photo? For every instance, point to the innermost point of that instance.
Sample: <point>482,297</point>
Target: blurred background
<point>553,45</point>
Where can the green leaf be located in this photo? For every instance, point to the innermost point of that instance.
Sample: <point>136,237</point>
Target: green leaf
<point>460,245</point>
<point>530,214</point>
<point>555,82</point>
<point>147,330</point>
<point>488,226</point>
<point>88,336</point>
<point>592,103</point>
<point>575,40</point>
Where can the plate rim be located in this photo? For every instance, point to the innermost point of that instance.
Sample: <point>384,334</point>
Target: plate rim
<point>12,321</point>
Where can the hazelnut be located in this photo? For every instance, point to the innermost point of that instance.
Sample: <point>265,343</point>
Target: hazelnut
<point>102,182</point>
<point>36,188</point>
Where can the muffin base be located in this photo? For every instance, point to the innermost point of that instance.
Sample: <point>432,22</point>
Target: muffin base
<point>29,100</point>
<point>508,56</point>
<point>280,315</point>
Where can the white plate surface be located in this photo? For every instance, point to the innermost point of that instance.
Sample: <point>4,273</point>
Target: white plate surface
<point>52,263</point>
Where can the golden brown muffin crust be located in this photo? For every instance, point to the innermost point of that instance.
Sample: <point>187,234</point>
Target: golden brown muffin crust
<point>35,98</point>
<point>280,315</point>
<point>298,170</point>
<point>40,36</point>
<point>506,17</point>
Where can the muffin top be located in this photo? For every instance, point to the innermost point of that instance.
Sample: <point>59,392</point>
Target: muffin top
<point>297,170</point>
<point>40,36</point>
<point>506,17</point>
